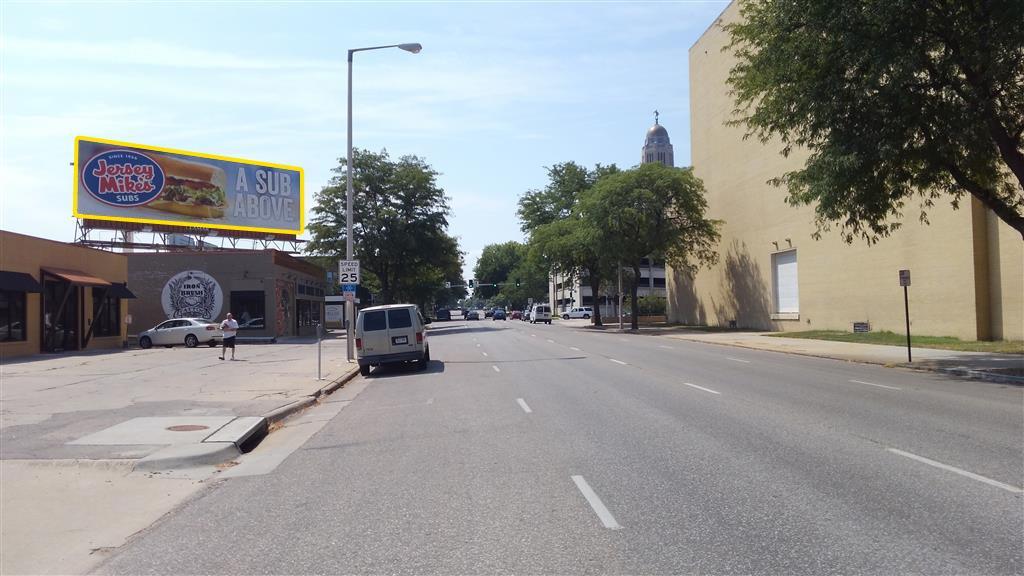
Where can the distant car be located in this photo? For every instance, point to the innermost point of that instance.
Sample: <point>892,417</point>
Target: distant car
<point>517,315</point>
<point>540,313</point>
<point>489,312</point>
<point>580,312</point>
<point>188,331</point>
<point>472,315</point>
<point>498,314</point>
<point>253,324</point>
<point>444,314</point>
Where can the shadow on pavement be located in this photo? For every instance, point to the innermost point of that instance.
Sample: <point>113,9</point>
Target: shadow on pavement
<point>406,369</point>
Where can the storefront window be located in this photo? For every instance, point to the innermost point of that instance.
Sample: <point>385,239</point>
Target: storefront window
<point>106,319</point>
<point>248,308</point>
<point>12,316</point>
<point>309,312</point>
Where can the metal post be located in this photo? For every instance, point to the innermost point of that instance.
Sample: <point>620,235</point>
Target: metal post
<point>620,296</point>
<point>349,305</point>
<point>906,312</point>
<point>319,339</point>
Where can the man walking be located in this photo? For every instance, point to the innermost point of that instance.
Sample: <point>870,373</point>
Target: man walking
<point>230,328</point>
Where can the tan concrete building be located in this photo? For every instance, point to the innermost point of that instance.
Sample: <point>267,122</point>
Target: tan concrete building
<point>967,267</point>
<point>57,297</point>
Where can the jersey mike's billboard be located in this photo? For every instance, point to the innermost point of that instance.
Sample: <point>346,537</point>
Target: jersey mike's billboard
<point>126,182</point>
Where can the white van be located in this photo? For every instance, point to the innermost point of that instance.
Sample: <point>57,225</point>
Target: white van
<point>392,333</point>
<point>580,312</point>
<point>540,313</point>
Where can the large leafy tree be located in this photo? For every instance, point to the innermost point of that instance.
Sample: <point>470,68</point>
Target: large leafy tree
<point>519,278</point>
<point>893,99</point>
<point>400,227</point>
<point>494,265</point>
<point>651,211</point>
<point>560,239</point>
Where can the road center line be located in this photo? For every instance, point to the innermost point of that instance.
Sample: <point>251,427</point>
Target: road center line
<point>550,341</point>
<point>702,388</point>
<point>878,385</point>
<point>599,508</point>
<point>956,470</point>
<point>618,361</point>
<point>665,347</point>
<point>522,404</point>
<point>484,353</point>
<point>574,348</point>
<point>496,369</point>
<point>737,359</point>
<point>477,345</point>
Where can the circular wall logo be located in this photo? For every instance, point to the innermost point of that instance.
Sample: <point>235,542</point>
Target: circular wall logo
<point>123,178</point>
<point>192,294</point>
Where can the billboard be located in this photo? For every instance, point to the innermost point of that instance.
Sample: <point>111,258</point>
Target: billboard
<point>125,182</point>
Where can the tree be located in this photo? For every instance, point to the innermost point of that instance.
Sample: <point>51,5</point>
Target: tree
<point>494,265</point>
<point>651,211</point>
<point>894,99</point>
<point>399,230</point>
<point>560,239</point>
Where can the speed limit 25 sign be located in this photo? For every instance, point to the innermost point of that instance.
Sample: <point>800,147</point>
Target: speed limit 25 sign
<point>348,272</point>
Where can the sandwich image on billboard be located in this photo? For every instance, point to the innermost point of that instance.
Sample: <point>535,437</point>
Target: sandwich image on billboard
<point>125,182</point>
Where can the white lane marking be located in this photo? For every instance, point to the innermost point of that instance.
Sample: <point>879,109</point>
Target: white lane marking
<point>878,385</point>
<point>533,335</point>
<point>665,347</point>
<point>737,359</point>
<point>599,508</point>
<point>496,369</point>
<point>702,388</point>
<point>623,340</point>
<point>574,348</point>
<point>477,345</point>
<point>956,470</point>
<point>430,401</point>
<point>522,404</point>
<point>551,341</point>
<point>484,353</point>
<point>618,361</point>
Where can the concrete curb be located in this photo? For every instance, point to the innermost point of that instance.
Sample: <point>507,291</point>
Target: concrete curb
<point>278,414</point>
<point>963,372</point>
<point>181,456</point>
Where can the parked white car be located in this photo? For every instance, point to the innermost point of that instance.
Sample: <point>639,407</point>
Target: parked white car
<point>188,331</point>
<point>581,312</point>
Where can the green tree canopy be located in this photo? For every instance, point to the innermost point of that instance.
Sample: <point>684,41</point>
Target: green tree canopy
<point>399,231</point>
<point>894,100</point>
<point>651,211</point>
<point>561,241</point>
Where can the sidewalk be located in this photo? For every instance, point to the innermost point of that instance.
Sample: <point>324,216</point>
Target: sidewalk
<point>95,447</point>
<point>995,367</point>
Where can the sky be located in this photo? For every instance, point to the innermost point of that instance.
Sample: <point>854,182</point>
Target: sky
<point>500,91</point>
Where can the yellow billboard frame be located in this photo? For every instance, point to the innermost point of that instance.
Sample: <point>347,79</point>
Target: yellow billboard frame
<point>184,223</point>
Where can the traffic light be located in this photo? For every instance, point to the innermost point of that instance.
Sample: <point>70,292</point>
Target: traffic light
<point>517,282</point>
<point>471,283</point>
<point>447,284</point>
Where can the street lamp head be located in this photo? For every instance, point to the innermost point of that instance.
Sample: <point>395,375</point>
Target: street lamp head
<point>414,47</point>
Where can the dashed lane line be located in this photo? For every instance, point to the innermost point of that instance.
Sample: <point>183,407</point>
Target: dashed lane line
<point>595,502</point>
<point>702,388</point>
<point>737,359</point>
<point>956,470</point>
<point>522,404</point>
<point>875,385</point>
<point>618,361</point>
<point>496,369</point>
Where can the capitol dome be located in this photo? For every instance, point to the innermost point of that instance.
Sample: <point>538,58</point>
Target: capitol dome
<point>657,146</point>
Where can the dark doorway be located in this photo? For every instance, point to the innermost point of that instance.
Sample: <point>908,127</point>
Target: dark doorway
<point>61,316</point>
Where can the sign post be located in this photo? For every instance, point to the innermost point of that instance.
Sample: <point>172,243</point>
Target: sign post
<point>348,274</point>
<point>905,282</point>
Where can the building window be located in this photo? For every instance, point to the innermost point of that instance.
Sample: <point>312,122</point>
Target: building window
<point>659,282</point>
<point>309,312</point>
<point>12,316</point>
<point>106,316</point>
<point>785,289</point>
<point>644,282</point>
<point>248,308</point>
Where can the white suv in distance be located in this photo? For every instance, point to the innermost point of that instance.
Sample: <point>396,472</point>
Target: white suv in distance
<point>581,312</point>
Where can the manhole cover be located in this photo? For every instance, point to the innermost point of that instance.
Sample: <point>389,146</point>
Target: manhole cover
<point>187,428</point>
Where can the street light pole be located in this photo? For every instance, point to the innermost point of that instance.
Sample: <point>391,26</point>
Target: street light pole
<point>350,306</point>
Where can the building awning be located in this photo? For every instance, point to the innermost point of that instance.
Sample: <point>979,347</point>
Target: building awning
<point>76,277</point>
<point>119,290</point>
<point>18,282</point>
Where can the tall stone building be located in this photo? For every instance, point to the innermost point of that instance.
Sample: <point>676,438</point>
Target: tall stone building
<point>657,146</point>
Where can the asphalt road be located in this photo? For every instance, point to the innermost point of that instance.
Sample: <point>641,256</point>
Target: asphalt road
<point>543,449</point>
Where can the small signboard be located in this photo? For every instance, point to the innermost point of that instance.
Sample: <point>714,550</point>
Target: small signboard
<point>348,272</point>
<point>348,288</point>
<point>904,277</point>
<point>859,327</point>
